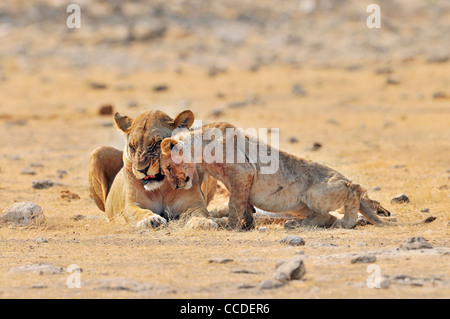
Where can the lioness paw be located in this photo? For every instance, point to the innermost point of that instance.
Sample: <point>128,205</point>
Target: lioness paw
<point>153,221</point>
<point>201,223</point>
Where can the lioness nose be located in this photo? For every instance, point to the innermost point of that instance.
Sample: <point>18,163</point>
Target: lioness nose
<point>144,171</point>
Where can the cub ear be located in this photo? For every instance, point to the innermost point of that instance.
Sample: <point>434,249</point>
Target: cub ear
<point>123,122</point>
<point>166,145</point>
<point>184,120</point>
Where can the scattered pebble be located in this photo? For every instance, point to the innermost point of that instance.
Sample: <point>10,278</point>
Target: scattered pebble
<point>415,243</point>
<point>160,88</point>
<point>106,109</point>
<point>220,260</point>
<point>293,139</point>
<point>425,210</point>
<point>22,214</point>
<point>271,284</point>
<point>28,171</point>
<point>41,240</point>
<point>298,90</point>
<point>290,269</point>
<point>440,95</point>
<point>43,184</point>
<point>292,240</point>
<point>77,217</point>
<point>392,81</point>
<point>69,196</point>
<point>316,146</point>
<point>97,85</point>
<point>262,229</point>
<point>39,268</point>
<point>364,259</point>
<point>61,173</point>
<point>399,199</point>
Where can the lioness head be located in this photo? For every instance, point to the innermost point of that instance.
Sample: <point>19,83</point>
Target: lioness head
<point>178,172</point>
<point>143,142</point>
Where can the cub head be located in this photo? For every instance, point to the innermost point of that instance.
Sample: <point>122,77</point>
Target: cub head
<point>178,168</point>
<point>143,142</point>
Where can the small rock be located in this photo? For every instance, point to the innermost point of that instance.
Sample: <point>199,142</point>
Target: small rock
<point>440,95</point>
<point>61,173</point>
<point>28,171</point>
<point>220,260</point>
<point>425,210</point>
<point>398,166</point>
<point>316,146</point>
<point>39,268</point>
<point>289,270</point>
<point>39,286</point>
<point>246,286</point>
<point>41,240</point>
<point>399,199</point>
<point>43,184</point>
<point>429,219</point>
<point>22,214</point>
<point>292,240</point>
<point>214,70</point>
<point>69,196</point>
<point>298,90</point>
<point>393,80</point>
<point>376,189</point>
<point>262,229</point>
<point>132,103</point>
<point>97,85</point>
<point>106,109</point>
<point>160,88</point>
<point>237,104</point>
<point>217,112</point>
<point>385,283</point>
<point>293,139</point>
<point>364,259</point>
<point>77,217</point>
<point>384,70</point>
<point>415,243</point>
<point>271,284</point>
<point>245,271</point>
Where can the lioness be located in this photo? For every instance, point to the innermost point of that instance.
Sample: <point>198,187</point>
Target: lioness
<point>304,188</point>
<point>130,183</point>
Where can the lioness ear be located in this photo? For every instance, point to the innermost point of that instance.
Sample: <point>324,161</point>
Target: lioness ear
<point>184,120</point>
<point>166,145</point>
<point>123,122</point>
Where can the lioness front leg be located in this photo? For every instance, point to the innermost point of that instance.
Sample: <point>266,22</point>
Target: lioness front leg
<point>144,218</point>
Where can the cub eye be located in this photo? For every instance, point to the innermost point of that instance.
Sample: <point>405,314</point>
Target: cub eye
<point>132,148</point>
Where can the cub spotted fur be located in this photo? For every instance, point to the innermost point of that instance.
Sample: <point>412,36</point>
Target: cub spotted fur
<point>304,188</point>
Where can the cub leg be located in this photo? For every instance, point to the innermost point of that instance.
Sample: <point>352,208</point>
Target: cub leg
<point>351,209</point>
<point>240,210</point>
<point>310,218</point>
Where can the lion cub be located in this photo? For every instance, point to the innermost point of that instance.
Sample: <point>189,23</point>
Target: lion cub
<point>304,188</point>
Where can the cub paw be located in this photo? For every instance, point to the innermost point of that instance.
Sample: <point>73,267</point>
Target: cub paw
<point>201,223</point>
<point>153,221</point>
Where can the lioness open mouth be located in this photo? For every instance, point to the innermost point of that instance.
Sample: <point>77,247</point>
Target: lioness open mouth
<point>152,178</point>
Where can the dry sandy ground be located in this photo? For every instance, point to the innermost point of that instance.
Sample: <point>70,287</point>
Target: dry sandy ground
<point>379,133</point>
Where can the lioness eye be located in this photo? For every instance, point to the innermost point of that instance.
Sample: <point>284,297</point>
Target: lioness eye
<point>169,169</point>
<point>132,148</point>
